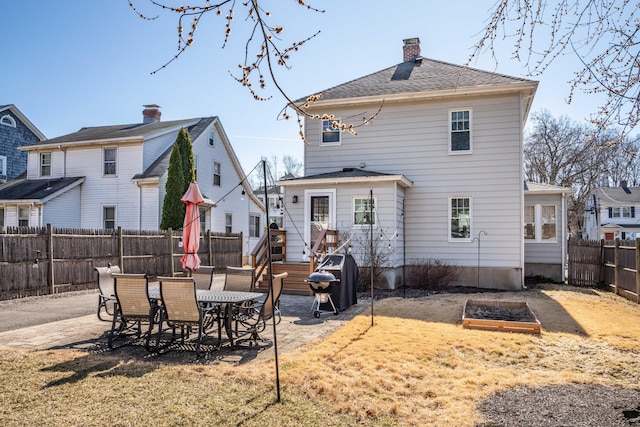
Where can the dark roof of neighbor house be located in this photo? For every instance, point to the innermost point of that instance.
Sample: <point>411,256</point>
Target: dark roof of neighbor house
<point>614,196</point>
<point>420,75</point>
<point>344,173</point>
<point>36,189</point>
<point>125,131</point>
<point>161,164</point>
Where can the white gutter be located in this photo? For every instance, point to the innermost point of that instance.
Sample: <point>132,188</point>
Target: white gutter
<point>131,140</point>
<point>347,180</point>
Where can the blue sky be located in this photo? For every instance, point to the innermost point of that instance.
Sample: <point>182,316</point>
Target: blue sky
<point>75,63</point>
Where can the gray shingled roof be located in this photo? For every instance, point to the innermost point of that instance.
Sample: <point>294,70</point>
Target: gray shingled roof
<point>344,173</point>
<point>36,189</point>
<point>125,131</point>
<point>423,75</point>
<point>618,195</point>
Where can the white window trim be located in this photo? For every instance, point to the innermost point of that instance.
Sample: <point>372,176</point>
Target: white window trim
<point>327,144</point>
<point>228,215</point>
<point>213,174</point>
<point>252,217</point>
<point>3,168</point>
<point>538,224</point>
<point>28,208</point>
<point>115,217</point>
<point>7,120</point>
<point>50,163</point>
<point>115,161</point>
<point>464,239</point>
<point>449,131</point>
<point>211,138</point>
<point>375,212</point>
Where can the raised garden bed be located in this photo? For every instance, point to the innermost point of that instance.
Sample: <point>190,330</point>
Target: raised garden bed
<point>507,316</point>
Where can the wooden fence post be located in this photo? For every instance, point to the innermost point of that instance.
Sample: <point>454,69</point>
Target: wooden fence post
<point>638,271</point>
<point>170,239</point>
<point>616,262</point>
<point>120,249</point>
<point>50,278</point>
<point>209,248</point>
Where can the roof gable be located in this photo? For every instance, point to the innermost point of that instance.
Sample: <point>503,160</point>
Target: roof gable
<point>23,119</point>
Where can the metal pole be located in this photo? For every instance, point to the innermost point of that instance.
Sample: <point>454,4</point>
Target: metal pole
<point>273,318</point>
<point>371,247</point>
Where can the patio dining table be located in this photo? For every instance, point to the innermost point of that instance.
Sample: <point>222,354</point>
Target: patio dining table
<point>227,300</point>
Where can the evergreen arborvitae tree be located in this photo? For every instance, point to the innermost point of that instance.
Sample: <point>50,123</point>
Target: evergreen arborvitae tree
<point>186,152</point>
<point>173,209</point>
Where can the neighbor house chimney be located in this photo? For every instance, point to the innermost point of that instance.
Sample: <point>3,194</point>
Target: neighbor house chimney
<point>411,49</point>
<point>151,113</point>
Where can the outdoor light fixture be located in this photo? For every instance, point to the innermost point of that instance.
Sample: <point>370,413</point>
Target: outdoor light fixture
<point>294,199</point>
<point>36,261</point>
<point>243,193</point>
<point>180,243</point>
<point>108,267</point>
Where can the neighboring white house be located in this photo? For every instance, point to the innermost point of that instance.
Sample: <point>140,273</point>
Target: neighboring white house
<point>545,230</point>
<point>612,213</point>
<point>443,163</point>
<point>115,176</point>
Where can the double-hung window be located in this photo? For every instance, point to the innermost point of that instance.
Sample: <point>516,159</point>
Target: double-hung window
<point>254,225</point>
<point>459,218</point>
<point>23,216</point>
<point>45,164</point>
<point>622,212</point>
<point>109,161</point>
<point>460,131</point>
<point>540,223</point>
<point>217,173</point>
<point>3,167</point>
<point>330,132</point>
<point>228,223</point>
<point>364,211</point>
<point>109,217</point>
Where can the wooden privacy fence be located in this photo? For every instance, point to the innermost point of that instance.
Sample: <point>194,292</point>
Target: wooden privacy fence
<point>39,261</point>
<point>610,264</point>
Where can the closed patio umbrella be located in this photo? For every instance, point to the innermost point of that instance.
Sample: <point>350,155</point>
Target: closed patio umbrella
<point>191,228</point>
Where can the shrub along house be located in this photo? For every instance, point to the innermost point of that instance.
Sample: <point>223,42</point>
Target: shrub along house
<point>114,176</point>
<point>442,163</point>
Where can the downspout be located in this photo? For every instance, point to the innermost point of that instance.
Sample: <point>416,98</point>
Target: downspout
<point>64,160</point>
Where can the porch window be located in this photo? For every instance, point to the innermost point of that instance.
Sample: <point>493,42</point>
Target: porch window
<point>460,218</point>
<point>45,164</point>
<point>460,134</point>
<point>330,134</point>
<point>540,223</point>
<point>23,216</point>
<point>529,222</point>
<point>228,223</point>
<point>254,225</point>
<point>362,210</point>
<point>217,173</point>
<point>109,155</point>
<point>109,217</point>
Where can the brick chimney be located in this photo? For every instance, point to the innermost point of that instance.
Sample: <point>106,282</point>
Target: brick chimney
<point>411,49</point>
<point>151,113</point>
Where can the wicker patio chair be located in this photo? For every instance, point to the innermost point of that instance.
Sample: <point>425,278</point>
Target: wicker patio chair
<point>106,297</point>
<point>134,309</point>
<point>203,276</point>
<point>254,321</point>
<point>180,309</point>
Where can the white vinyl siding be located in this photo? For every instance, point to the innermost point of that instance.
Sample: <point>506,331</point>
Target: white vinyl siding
<point>492,176</point>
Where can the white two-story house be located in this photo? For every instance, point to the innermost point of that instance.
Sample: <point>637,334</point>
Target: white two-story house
<point>441,163</point>
<point>114,176</point>
<point>612,213</point>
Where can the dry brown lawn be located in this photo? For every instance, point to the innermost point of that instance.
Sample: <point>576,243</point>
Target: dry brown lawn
<point>415,366</point>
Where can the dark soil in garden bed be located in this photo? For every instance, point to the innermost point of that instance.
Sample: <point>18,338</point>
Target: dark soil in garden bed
<point>417,293</point>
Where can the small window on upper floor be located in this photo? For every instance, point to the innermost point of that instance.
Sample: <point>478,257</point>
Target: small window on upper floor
<point>8,121</point>
<point>460,140</point>
<point>330,132</point>
<point>212,138</point>
<point>45,164</point>
<point>110,161</point>
<point>217,173</point>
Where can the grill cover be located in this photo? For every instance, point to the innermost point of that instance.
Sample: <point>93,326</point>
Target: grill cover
<point>344,290</point>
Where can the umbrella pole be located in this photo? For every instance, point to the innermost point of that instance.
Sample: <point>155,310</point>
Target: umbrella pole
<point>273,318</point>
